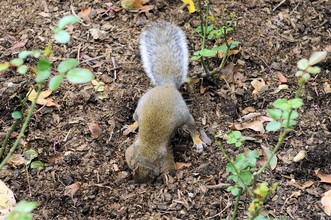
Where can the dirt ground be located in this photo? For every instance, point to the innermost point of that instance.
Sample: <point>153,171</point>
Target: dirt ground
<point>272,40</point>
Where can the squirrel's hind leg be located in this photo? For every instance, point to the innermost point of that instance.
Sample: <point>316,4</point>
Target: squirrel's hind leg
<point>190,126</point>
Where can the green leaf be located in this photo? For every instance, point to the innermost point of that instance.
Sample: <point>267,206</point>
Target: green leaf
<point>306,76</point>
<point>303,64</point>
<point>238,143</point>
<point>220,48</point>
<point>4,66</point>
<point>251,158</point>
<point>231,141</point>
<point>17,61</point>
<point>236,134</point>
<point>36,53</point>
<point>195,58</point>
<point>37,165</point>
<point>282,104</point>
<point>66,65</point>
<point>16,115</point>
<point>247,177</point>
<point>55,82</point>
<point>62,37</point>
<point>299,73</point>
<point>294,115</point>
<point>22,69</point>
<point>262,190</point>
<point>273,126</point>
<point>234,191</point>
<point>317,57</point>
<point>79,75</point>
<point>29,155</point>
<point>43,65</point>
<point>291,123</point>
<point>210,28</point>
<point>198,29</point>
<point>275,113</point>
<point>208,53</point>
<point>26,207</point>
<point>67,20</point>
<point>314,70</point>
<point>24,54</point>
<point>295,103</point>
<point>273,162</point>
<point>43,75</point>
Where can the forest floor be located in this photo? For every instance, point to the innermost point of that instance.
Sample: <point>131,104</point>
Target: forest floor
<point>272,40</point>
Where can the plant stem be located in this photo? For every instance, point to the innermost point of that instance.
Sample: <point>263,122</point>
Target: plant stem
<point>24,127</point>
<point>235,211</point>
<point>5,141</point>
<point>249,191</point>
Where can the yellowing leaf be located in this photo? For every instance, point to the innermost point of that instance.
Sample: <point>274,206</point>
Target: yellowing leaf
<point>42,99</point>
<point>326,202</point>
<point>131,4</point>
<point>190,5</point>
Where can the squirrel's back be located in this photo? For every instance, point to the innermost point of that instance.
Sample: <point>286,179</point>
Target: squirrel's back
<point>164,53</point>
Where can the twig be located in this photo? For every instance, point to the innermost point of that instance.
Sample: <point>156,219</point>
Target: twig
<point>114,66</point>
<point>277,6</point>
<point>94,58</point>
<point>66,137</point>
<point>218,186</point>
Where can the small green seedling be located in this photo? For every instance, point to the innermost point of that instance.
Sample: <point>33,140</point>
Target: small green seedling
<point>22,211</point>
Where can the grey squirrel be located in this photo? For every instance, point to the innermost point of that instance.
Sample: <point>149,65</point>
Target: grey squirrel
<point>161,110</point>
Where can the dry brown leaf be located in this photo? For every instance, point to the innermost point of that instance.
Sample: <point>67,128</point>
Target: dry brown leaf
<point>205,138</point>
<point>180,166</point>
<point>305,185</point>
<point>238,79</point>
<point>16,160</point>
<point>281,78</point>
<point>325,178</point>
<point>227,72</point>
<point>259,87</point>
<point>328,48</point>
<point>7,200</point>
<point>72,189</point>
<point>95,129</point>
<point>327,88</point>
<point>146,8</point>
<point>232,52</point>
<point>326,202</point>
<point>85,14</point>
<point>256,124</point>
<point>98,34</point>
<point>247,110</point>
<point>42,99</point>
<point>24,39</point>
<point>300,156</point>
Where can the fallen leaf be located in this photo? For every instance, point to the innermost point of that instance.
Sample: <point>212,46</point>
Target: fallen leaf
<point>281,78</point>
<point>180,166</point>
<point>247,110</point>
<point>256,124</point>
<point>227,72</point>
<point>238,79</point>
<point>305,185</point>
<point>24,40</point>
<point>300,156</point>
<point>72,189</point>
<point>327,88</point>
<point>7,200</point>
<point>131,4</point>
<point>205,138</point>
<point>232,52</point>
<point>3,135</point>
<point>326,202</point>
<point>280,88</point>
<point>55,158</point>
<point>16,160</point>
<point>328,48</point>
<point>85,14</point>
<point>98,34</point>
<point>98,86</point>
<point>95,129</point>
<point>259,87</point>
<point>325,178</point>
<point>273,162</point>
<point>42,99</point>
<point>146,8</point>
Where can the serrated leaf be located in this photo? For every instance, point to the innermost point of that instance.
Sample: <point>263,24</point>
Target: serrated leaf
<point>66,65</point>
<point>22,69</point>
<point>303,64</point>
<point>16,115</point>
<point>273,126</point>
<point>295,103</point>
<point>67,20</point>
<point>314,70</point>
<point>275,113</point>
<point>317,57</point>
<point>4,66</point>
<point>273,162</point>
<point>43,75</point>
<point>25,206</point>
<point>79,75</point>
<point>62,37</point>
<point>29,155</point>
<point>17,61</point>
<point>37,165</point>
<point>208,53</point>
<point>55,82</point>
<point>24,54</point>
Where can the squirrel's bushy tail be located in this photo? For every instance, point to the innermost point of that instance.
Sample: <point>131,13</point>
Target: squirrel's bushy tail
<point>164,53</point>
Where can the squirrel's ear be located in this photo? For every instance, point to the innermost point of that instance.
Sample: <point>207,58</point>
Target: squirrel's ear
<point>142,175</point>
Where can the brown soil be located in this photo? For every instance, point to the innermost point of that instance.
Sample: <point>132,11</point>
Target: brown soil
<point>271,41</point>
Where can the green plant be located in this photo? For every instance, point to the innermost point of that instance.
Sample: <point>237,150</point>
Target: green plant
<point>66,69</point>
<point>22,211</point>
<point>243,171</point>
<point>215,34</point>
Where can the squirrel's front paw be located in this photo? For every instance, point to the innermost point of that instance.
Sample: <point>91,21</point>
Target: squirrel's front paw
<point>198,143</point>
<point>127,129</point>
